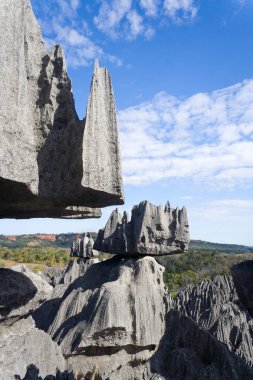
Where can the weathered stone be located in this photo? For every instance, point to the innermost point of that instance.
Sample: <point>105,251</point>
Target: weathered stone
<point>152,230</point>
<point>16,290</point>
<point>51,160</point>
<point>188,352</point>
<point>76,268</point>
<point>112,315</point>
<point>216,307</point>
<point>21,292</point>
<point>70,212</point>
<point>22,345</point>
<point>82,247</point>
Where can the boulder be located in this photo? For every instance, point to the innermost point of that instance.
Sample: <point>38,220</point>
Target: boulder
<point>52,163</point>
<point>23,347</point>
<point>152,230</point>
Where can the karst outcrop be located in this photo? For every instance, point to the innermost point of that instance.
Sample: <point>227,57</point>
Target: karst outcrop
<point>152,230</point>
<point>52,163</point>
<point>117,316</point>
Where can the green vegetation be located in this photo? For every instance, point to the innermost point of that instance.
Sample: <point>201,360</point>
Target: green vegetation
<point>192,267</point>
<point>48,256</point>
<point>204,259</point>
<point>41,240</point>
<point>205,246</point>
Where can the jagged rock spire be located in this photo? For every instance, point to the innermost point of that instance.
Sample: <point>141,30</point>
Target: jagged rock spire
<point>152,230</point>
<point>51,160</point>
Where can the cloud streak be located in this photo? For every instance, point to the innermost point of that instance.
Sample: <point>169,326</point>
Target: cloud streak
<point>206,137</point>
<point>129,19</point>
<point>61,24</point>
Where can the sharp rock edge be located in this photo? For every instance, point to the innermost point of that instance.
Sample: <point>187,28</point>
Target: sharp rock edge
<point>51,160</point>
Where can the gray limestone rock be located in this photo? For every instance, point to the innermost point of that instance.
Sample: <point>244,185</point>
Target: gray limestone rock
<point>50,160</point>
<point>216,307</point>
<point>152,230</point>
<point>82,247</point>
<point>188,352</point>
<point>76,268</point>
<point>16,290</point>
<point>21,292</point>
<point>113,315</point>
<point>22,345</point>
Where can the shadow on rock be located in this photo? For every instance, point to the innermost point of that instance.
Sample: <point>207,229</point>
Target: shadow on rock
<point>16,290</point>
<point>32,373</point>
<point>242,274</point>
<point>188,352</point>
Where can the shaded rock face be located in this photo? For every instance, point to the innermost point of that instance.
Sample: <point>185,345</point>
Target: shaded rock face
<point>52,163</point>
<point>117,314</point>
<point>16,290</point>
<point>82,247</point>
<point>187,352</point>
<point>152,230</point>
<point>22,345</point>
<point>216,307</point>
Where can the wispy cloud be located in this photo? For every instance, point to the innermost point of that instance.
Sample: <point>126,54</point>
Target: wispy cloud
<point>61,24</point>
<point>180,10</point>
<point>130,19</point>
<point>206,137</point>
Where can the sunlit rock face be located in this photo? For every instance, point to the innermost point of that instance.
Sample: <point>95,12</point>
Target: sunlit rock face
<point>52,163</point>
<point>152,230</point>
<point>113,314</point>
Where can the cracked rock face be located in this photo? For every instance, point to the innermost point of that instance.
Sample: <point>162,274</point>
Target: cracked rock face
<point>113,314</point>
<point>152,230</point>
<point>52,163</point>
<point>216,307</point>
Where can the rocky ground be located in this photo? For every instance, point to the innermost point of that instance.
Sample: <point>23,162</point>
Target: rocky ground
<point>117,316</point>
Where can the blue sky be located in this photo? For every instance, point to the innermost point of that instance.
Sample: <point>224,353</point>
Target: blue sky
<point>182,72</point>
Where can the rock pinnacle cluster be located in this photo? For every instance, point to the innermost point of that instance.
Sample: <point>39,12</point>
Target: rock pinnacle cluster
<point>152,230</point>
<point>52,163</point>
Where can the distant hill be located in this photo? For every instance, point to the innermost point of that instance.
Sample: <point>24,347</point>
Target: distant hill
<point>205,246</point>
<point>41,240</point>
<point>65,241</point>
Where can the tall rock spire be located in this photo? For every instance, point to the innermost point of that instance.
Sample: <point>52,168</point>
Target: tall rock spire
<point>101,158</point>
<point>50,161</point>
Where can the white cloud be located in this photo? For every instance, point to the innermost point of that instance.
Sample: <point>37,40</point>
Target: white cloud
<point>111,14</point>
<point>61,25</point>
<point>130,19</point>
<point>135,24</point>
<point>206,137</point>
<point>150,7</point>
<point>180,10</point>
<point>75,4</point>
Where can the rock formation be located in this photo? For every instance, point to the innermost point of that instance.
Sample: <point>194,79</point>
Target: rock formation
<point>117,315</point>
<point>216,307</point>
<point>152,230</point>
<point>21,343</point>
<point>113,315</point>
<point>82,247</point>
<point>52,163</point>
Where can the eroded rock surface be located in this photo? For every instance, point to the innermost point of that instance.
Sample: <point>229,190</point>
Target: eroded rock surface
<point>23,345</point>
<point>52,163</point>
<point>216,307</point>
<point>117,314</point>
<point>152,230</point>
<point>112,315</point>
